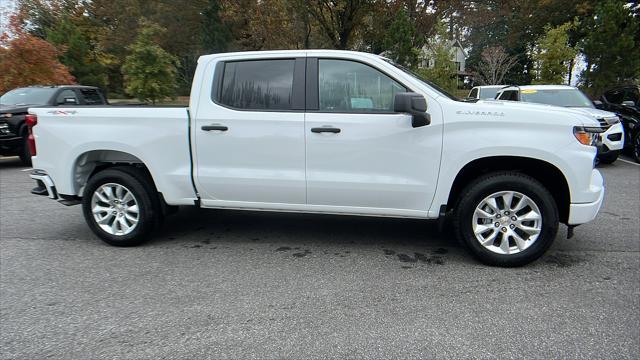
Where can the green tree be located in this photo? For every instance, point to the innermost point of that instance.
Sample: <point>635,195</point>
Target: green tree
<point>149,71</point>
<point>215,34</point>
<point>553,55</point>
<point>339,20</point>
<point>398,40</point>
<point>78,54</point>
<point>610,46</point>
<point>443,71</point>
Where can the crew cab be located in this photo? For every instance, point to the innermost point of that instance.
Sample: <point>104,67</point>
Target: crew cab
<point>324,131</point>
<point>14,105</point>
<point>610,143</point>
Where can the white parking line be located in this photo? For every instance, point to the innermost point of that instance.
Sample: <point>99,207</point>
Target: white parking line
<point>629,162</point>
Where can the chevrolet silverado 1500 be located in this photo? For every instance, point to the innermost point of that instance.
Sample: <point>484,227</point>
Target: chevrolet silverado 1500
<point>326,132</point>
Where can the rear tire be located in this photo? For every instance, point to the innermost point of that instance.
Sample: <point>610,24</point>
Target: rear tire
<point>121,206</point>
<point>508,236</point>
<point>25,153</point>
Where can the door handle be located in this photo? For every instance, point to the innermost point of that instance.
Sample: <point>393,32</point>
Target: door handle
<point>325,129</point>
<point>214,128</point>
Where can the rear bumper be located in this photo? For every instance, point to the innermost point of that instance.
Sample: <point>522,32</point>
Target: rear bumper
<point>10,144</point>
<point>43,181</point>
<point>580,213</point>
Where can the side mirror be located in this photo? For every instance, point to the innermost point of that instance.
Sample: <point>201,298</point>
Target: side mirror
<point>628,103</point>
<point>70,101</point>
<point>598,104</point>
<point>414,104</point>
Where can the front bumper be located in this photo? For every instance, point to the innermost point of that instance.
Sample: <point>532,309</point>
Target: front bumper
<point>580,213</point>
<point>44,181</point>
<point>612,139</point>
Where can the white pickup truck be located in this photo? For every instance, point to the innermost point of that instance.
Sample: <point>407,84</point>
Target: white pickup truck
<point>325,132</point>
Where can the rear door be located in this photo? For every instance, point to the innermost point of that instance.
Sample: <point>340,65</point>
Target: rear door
<point>360,153</point>
<point>249,134</point>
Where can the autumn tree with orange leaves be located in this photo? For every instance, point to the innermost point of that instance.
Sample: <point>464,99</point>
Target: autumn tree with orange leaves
<point>28,60</point>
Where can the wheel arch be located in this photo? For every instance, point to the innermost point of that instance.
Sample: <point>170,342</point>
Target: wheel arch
<point>546,173</point>
<point>90,162</point>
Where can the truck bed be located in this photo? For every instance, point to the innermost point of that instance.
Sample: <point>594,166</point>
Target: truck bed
<point>155,136</point>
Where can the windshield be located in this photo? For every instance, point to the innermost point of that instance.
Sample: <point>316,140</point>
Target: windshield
<point>27,96</point>
<point>558,97</point>
<point>428,83</point>
<point>488,93</point>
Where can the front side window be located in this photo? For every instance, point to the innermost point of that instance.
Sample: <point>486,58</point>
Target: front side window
<point>474,93</point>
<point>348,86</point>
<point>258,85</point>
<point>510,95</point>
<point>65,98</point>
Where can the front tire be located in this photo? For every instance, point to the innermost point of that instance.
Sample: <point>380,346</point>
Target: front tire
<point>121,206</point>
<point>506,219</point>
<point>610,157</point>
<point>635,147</point>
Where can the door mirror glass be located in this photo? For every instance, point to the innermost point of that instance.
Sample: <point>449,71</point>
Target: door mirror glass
<point>70,101</point>
<point>413,104</point>
<point>597,104</point>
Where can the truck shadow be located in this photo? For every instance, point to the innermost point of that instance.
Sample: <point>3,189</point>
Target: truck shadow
<point>412,242</point>
<point>191,224</point>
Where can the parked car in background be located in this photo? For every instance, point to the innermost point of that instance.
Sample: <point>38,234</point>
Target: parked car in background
<point>484,92</point>
<point>625,102</point>
<point>326,131</point>
<point>14,105</point>
<point>611,141</point>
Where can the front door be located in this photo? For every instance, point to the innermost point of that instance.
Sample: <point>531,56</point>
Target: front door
<point>360,154</point>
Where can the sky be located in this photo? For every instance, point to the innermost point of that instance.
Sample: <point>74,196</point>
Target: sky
<point>6,8</point>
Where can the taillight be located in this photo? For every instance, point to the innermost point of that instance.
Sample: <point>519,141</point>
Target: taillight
<point>31,120</point>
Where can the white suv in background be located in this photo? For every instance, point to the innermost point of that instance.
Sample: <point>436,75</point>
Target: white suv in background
<point>484,92</point>
<point>611,141</point>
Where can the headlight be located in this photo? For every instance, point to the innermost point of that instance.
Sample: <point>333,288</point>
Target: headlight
<point>587,135</point>
<point>7,115</point>
<point>612,120</point>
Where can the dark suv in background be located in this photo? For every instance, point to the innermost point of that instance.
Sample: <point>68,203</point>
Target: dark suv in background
<point>14,105</point>
<point>625,101</point>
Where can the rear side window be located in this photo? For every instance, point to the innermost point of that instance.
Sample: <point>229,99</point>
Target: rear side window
<point>474,93</point>
<point>91,96</point>
<point>631,94</point>
<point>258,85</point>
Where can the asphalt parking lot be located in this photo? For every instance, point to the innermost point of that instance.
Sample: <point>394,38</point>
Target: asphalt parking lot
<point>243,285</point>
